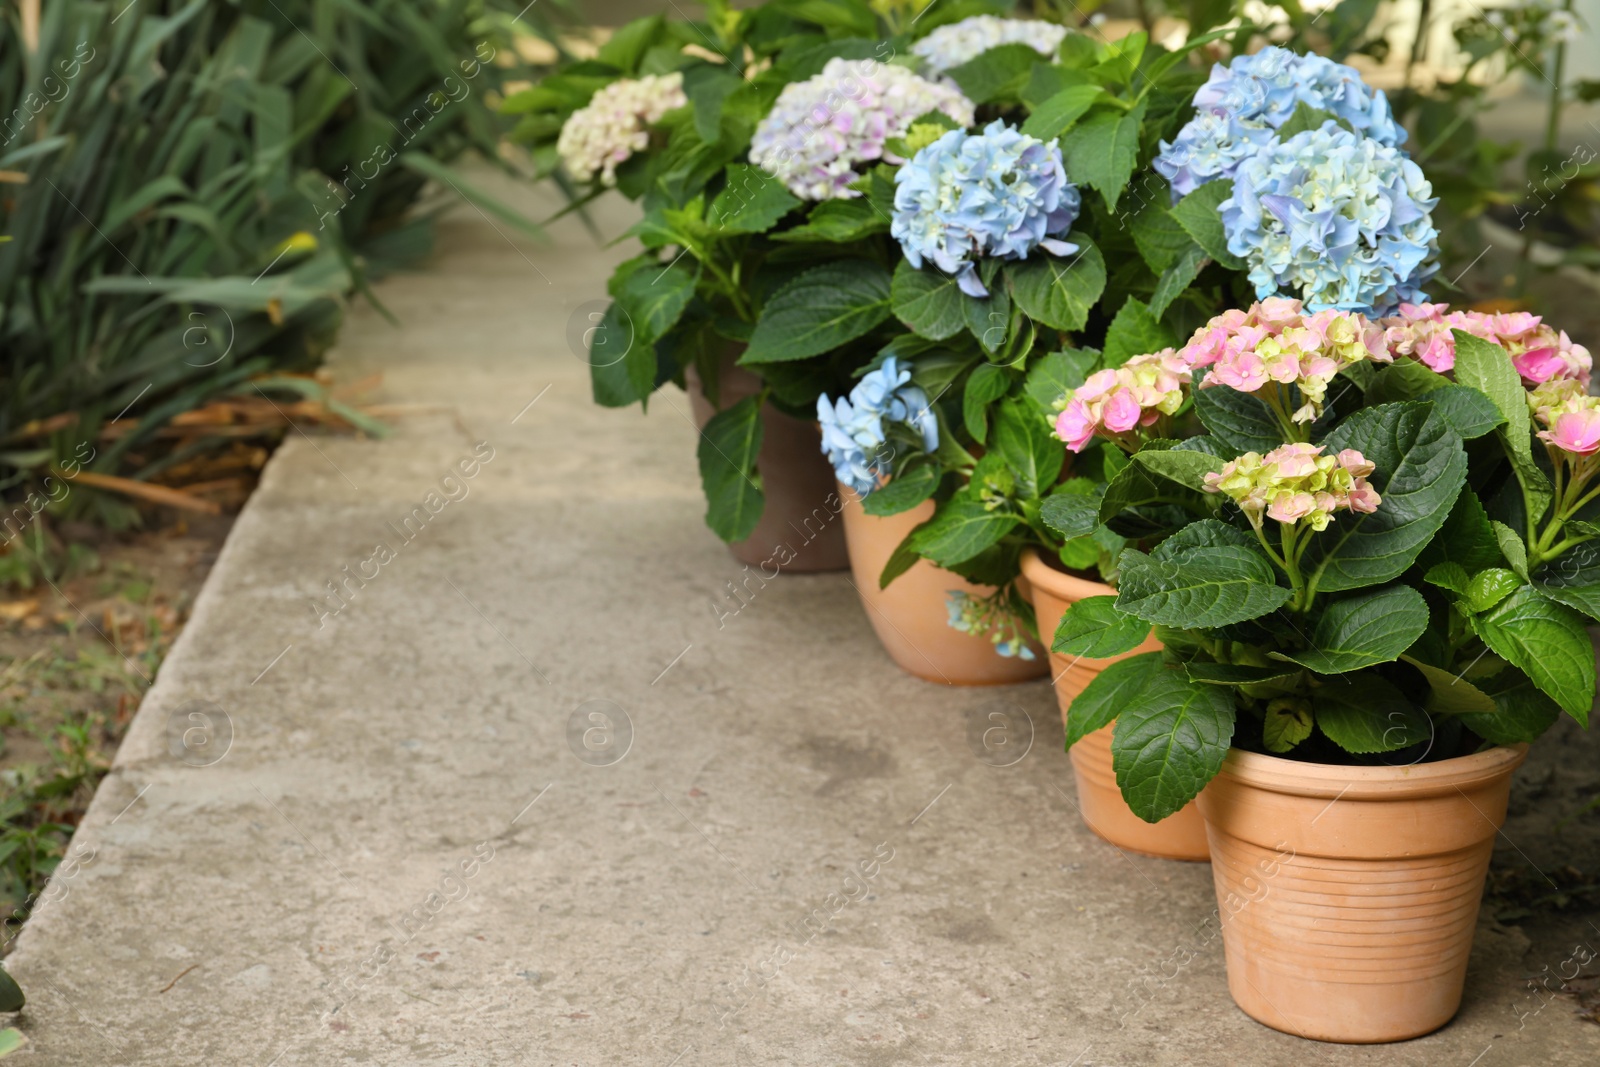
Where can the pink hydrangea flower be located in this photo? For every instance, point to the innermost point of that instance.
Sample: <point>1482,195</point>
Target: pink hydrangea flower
<point>1539,352</point>
<point>1116,401</point>
<point>1275,341</point>
<point>1577,432</point>
<point>1569,415</point>
<point>1297,482</point>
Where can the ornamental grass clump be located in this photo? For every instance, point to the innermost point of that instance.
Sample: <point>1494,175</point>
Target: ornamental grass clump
<point>1344,588</point>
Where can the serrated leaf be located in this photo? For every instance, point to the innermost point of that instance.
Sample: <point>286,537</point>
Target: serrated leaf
<point>904,491</point>
<point>1169,741</point>
<point>1059,292</point>
<point>1108,693</point>
<point>1135,332</point>
<point>1055,375</point>
<point>1093,627</point>
<point>1176,278</point>
<point>1001,71</point>
<point>1237,673</point>
<point>727,453</point>
<point>1488,368</point>
<point>1071,514</point>
<point>1364,631</point>
<point>986,384</point>
<point>1101,150</point>
<point>1451,694</point>
<point>1199,215</point>
<point>1421,467</point>
<point>1024,441</point>
<point>1547,642</point>
<point>1511,546</point>
<point>1057,114</point>
<point>1466,538</point>
<point>1157,235</point>
<point>927,301</point>
<point>837,221</point>
<point>655,299</point>
<point>1284,725</point>
<point>622,368</point>
<point>1488,588</point>
<point>1468,411</point>
<point>1573,578</point>
<point>960,530</point>
<point>1220,586</point>
<point>902,559</point>
<point>1239,420</point>
<point>1521,712</point>
<point>1367,715</point>
<point>820,310</point>
<point>1186,467</point>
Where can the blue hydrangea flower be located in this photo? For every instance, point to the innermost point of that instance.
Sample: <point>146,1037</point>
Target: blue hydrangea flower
<point>966,196</point>
<point>1335,220</point>
<point>1242,103</point>
<point>989,616</point>
<point>853,434</point>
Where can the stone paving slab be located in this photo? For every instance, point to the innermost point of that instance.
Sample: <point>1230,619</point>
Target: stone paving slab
<point>400,859</point>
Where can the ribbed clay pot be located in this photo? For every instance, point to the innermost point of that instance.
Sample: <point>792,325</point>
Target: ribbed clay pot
<point>1180,836</point>
<point>801,511</point>
<point>1348,895</point>
<point>910,616</point>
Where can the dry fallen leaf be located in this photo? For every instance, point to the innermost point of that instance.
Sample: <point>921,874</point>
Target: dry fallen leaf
<point>18,609</point>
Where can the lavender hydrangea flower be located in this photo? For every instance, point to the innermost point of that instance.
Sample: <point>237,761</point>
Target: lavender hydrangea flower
<point>967,196</point>
<point>821,129</point>
<point>1336,220</point>
<point>1242,103</point>
<point>952,45</point>
<point>853,434</point>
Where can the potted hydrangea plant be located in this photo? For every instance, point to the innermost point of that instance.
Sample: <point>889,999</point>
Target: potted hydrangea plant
<point>1373,594</point>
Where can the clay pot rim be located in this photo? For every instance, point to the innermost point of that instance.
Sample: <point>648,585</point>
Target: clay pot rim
<point>1274,774</point>
<point>1043,576</point>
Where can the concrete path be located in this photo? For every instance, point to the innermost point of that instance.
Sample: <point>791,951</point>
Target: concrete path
<point>401,857</point>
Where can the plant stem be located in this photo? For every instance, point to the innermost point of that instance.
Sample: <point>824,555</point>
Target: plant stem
<point>1552,129</point>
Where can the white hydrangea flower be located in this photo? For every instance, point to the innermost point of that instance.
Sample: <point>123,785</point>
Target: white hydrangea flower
<point>952,45</point>
<point>614,124</point>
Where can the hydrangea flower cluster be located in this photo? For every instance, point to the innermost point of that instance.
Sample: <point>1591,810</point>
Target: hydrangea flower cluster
<point>1540,353</point>
<point>1113,402</point>
<point>853,433</point>
<point>967,196</point>
<point>614,124</point>
<point>1275,341</point>
<point>1241,105</point>
<point>821,129</point>
<point>988,615</point>
<point>1295,482</point>
<point>1570,417</point>
<point>1340,219</point>
<point>952,45</point>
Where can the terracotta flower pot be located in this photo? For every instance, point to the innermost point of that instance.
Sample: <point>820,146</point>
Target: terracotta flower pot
<point>1348,895</point>
<point>1180,836</point>
<point>910,616</point>
<point>800,523</point>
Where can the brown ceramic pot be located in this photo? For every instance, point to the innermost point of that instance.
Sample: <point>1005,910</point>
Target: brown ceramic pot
<point>910,616</point>
<point>1180,836</point>
<point>1348,895</point>
<point>800,522</point>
